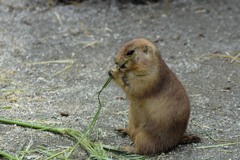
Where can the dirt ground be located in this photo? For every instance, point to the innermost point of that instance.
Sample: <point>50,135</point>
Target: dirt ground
<point>76,45</point>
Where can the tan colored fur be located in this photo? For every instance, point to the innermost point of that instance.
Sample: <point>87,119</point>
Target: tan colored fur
<point>159,106</point>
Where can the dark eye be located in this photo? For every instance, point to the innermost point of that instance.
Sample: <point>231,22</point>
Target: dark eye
<point>129,53</point>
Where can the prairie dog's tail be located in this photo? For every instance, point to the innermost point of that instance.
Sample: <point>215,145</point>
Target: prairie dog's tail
<point>190,139</point>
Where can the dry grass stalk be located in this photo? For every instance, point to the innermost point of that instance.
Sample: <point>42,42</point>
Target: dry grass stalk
<point>217,145</point>
<point>228,56</point>
<point>66,61</point>
<point>69,61</point>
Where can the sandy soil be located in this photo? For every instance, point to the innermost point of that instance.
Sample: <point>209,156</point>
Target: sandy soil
<point>77,43</point>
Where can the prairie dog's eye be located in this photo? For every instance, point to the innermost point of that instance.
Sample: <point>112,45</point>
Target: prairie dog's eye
<point>130,52</point>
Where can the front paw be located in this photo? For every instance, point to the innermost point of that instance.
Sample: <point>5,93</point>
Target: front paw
<point>112,72</point>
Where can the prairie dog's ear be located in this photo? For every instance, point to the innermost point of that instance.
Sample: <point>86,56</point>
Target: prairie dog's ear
<point>145,49</point>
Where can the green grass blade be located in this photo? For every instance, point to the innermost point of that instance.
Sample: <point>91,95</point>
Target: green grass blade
<point>7,156</point>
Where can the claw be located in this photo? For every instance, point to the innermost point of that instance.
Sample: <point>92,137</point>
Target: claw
<point>122,131</point>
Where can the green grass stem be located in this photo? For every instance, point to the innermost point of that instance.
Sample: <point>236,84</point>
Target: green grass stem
<point>7,155</point>
<point>35,126</point>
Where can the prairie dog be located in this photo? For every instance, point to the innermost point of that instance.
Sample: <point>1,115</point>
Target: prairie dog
<point>159,105</point>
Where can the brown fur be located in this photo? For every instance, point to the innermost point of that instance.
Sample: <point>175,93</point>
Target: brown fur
<point>159,106</point>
